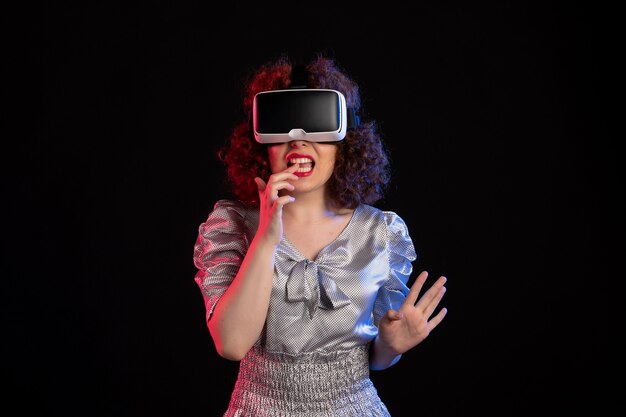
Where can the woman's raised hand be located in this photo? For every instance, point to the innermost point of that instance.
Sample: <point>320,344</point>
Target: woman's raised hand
<point>401,330</point>
<point>271,202</point>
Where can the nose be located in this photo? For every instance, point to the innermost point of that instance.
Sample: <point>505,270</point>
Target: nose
<point>298,143</point>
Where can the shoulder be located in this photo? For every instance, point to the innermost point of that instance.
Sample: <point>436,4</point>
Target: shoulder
<point>396,232</point>
<point>230,214</point>
<point>234,207</point>
<point>389,218</point>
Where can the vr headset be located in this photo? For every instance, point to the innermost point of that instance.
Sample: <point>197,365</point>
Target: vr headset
<point>315,115</point>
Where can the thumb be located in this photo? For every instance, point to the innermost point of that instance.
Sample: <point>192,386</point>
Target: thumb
<point>393,315</point>
<point>260,184</point>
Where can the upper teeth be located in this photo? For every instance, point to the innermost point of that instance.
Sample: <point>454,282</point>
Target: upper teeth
<point>300,160</point>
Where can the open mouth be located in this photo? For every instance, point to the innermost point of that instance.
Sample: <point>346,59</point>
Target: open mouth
<point>305,165</point>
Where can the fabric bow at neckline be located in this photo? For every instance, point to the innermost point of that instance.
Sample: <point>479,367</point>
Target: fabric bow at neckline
<point>308,284</point>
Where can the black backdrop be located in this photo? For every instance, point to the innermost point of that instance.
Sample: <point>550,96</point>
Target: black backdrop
<point>486,111</point>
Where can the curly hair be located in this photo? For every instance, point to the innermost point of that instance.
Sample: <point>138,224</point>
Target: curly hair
<point>362,165</point>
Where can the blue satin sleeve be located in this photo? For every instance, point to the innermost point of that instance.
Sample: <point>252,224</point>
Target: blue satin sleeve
<point>401,254</point>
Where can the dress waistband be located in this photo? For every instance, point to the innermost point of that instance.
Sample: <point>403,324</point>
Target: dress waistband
<point>320,385</point>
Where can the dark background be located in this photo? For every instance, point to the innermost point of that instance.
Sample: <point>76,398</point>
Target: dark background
<point>499,173</point>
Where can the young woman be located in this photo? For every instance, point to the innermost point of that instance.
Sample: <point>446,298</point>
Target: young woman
<point>304,280</point>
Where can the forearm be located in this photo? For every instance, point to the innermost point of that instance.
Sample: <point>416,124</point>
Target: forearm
<point>381,356</point>
<point>239,316</point>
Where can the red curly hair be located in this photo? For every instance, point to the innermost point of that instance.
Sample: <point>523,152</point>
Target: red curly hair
<point>362,166</point>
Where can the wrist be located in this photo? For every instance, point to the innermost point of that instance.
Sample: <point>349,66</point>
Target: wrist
<point>382,356</point>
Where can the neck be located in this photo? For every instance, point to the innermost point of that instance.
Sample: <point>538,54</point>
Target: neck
<point>308,208</point>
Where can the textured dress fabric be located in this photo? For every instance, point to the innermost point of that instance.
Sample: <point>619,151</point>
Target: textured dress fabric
<point>312,356</point>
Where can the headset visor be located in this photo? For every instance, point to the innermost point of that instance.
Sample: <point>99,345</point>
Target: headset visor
<point>316,115</point>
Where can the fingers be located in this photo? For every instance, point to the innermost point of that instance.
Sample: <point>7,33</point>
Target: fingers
<point>434,301</point>
<point>277,182</point>
<point>260,184</point>
<point>416,288</point>
<point>287,174</point>
<point>430,299</point>
<point>281,201</point>
<point>434,322</point>
<point>431,293</point>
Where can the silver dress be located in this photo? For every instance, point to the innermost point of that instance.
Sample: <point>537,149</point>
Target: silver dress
<point>312,356</point>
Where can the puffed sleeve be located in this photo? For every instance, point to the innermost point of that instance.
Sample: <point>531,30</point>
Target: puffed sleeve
<point>219,251</point>
<point>401,255</point>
